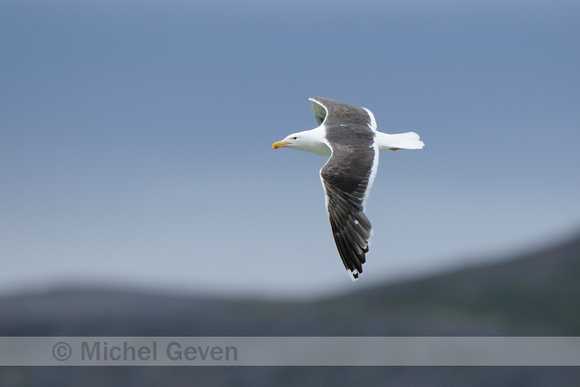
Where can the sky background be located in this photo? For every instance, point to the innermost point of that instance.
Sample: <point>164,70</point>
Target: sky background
<point>135,139</point>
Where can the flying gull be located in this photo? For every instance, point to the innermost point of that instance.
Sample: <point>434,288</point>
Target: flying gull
<point>348,134</point>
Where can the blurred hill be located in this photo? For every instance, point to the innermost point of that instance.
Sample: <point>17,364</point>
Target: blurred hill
<point>534,294</point>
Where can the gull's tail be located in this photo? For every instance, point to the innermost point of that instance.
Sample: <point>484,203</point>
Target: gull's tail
<point>409,140</point>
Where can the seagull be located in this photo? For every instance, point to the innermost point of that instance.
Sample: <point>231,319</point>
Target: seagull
<point>348,135</point>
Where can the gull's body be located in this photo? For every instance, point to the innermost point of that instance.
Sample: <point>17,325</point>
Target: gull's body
<point>348,135</point>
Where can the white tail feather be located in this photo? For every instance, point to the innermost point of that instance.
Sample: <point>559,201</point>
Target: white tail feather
<point>409,140</point>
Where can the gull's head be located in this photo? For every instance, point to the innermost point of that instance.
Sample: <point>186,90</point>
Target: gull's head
<point>309,141</point>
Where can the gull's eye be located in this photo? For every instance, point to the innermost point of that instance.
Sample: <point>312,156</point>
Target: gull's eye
<point>294,138</point>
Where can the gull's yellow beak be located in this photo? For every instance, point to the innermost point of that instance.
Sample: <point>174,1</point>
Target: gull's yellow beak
<point>280,144</point>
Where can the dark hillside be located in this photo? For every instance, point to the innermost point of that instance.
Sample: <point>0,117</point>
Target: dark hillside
<point>536,294</point>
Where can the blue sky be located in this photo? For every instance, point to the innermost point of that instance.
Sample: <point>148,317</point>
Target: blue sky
<point>135,138</point>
